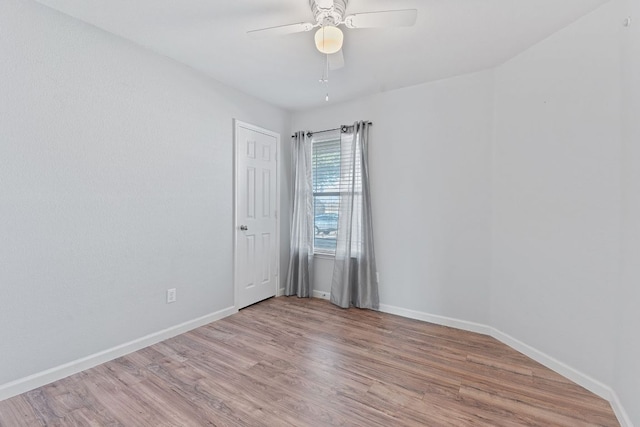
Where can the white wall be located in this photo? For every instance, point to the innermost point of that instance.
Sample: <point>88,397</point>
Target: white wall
<point>115,184</point>
<point>627,362</point>
<point>556,194</point>
<point>566,186</point>
<point>430,173</point>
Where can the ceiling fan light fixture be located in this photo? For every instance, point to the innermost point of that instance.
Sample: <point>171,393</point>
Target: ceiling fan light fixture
<point>329,39</point>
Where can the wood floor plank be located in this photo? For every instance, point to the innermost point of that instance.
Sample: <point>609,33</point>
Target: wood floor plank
<point>17,411</point>
<point>304,362</point>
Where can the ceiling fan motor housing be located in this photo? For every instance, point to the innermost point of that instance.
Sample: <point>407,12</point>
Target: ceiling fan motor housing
<point>328,11</point>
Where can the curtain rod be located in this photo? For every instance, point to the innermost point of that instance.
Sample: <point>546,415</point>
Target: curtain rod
<point>342,128</point>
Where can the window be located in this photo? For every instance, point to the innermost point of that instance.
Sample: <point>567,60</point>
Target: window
<point>326,191</point>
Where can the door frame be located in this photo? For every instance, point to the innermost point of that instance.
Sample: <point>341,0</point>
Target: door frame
<point>236,224</point>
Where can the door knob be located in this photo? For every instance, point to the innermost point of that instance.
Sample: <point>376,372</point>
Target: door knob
<point>244,228</point>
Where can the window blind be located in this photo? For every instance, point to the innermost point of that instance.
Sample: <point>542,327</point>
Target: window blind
<point>326,193</point>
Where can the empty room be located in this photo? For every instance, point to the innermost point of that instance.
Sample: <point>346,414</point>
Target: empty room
<point>320,213</point>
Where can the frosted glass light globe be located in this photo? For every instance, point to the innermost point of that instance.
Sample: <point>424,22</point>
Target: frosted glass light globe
<point>329,39</point>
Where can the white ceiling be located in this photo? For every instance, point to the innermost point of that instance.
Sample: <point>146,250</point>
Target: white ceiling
<point>451,37</point>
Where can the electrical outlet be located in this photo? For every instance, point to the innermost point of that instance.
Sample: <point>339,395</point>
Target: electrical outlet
<point>171,295</point>
<point>321,294</point>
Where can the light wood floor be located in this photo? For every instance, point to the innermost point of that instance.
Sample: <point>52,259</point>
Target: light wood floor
<point>296,362</point>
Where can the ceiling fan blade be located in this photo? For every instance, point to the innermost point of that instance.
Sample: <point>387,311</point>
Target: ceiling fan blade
<point>336,60</point>
<point>281,30</point>
<point>389,18</point>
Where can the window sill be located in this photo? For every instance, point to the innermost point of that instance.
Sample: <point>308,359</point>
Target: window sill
<point>324,256</point>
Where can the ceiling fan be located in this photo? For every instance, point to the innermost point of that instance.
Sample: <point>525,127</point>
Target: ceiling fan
<point>329,14</point>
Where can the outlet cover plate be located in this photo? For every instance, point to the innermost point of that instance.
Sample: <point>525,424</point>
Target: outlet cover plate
<point>171,295</point>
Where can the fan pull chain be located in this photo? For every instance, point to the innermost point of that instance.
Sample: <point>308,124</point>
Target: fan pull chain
<point>325,77</point>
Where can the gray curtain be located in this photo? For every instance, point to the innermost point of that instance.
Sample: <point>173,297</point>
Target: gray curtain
<point>300,274</point>
<point>354,274</point>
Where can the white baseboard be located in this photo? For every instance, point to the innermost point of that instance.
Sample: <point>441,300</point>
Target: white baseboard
<point>40,379</point>
<point>438,320</point>
<point>321,294</point>
<point>620,412</point>
<point>580,378</point>
<point>554,364</point>
<point>280,292</point>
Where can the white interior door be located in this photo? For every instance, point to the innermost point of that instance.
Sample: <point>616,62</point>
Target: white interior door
<point>256,223</point>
